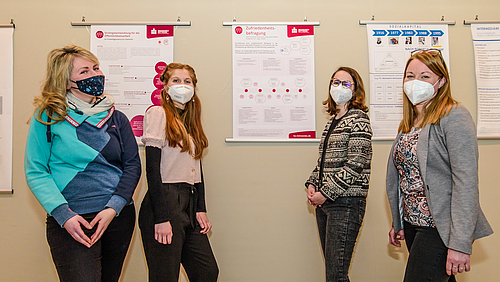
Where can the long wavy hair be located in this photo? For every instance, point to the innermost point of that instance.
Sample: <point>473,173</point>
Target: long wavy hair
<point>438,106</point>
<point>52,100</point>
<point>358,95</point>
<point>181,127</point>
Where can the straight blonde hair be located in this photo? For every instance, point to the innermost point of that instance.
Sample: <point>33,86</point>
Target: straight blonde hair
<point>440,105</point>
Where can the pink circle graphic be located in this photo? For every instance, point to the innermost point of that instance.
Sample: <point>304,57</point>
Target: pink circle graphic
<point>156,97</point>
<point>238,30</point>
<point>160,67</point>
<point>157,82</point>
<point>99,34</point>
<point>136,124</point>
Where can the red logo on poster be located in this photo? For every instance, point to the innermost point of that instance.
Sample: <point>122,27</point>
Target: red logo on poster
<point>99,34</point>
<point>238,30</point>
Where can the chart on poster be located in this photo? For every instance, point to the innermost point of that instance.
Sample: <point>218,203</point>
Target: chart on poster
<point>132,58</point>
<point>273,81</point>
<point>486,39</point>
<point>6,106</point>
<point>390,46</point>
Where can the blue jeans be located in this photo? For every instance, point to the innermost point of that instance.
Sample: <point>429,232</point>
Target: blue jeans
<point>101,262</point>
<point>428,255</point>
<point>338,225</point>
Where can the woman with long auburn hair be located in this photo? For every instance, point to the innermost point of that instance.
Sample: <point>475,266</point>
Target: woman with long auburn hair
<point>432,175</point>
<point>173,219</point>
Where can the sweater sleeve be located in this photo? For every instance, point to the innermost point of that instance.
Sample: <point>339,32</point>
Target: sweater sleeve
<point>38,175</point>
<point>359,151</point>
<point>131,165</point>
<point>156,192</point>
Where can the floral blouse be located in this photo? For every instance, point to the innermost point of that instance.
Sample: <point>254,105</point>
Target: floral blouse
<point>415,207</point>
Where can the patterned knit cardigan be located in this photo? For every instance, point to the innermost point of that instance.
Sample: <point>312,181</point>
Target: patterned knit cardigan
<point>346,170</point>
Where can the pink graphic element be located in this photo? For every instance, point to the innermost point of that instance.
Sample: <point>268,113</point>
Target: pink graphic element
<point>156,97</point>
<point>246,90</point>
<point>154,31</point>
<point>255,84</point>
<point>157,82</point>
<point>302,134</point>
<point>160,67</point>
<point>288,90</point>
<point>269,96</point>
<point>250,96</point>
<point>274,90</point>
<point>136,123</point>
<point>300,30</point>
<point>278,96</point>
<point>238,30</point>
<point>260,90</point>
<point>300,90</point>
<point>242,96</point>
<point>99,34</point>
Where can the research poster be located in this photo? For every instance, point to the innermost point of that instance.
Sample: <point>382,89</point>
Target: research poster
<point>486,40</point>
<point>6,106</point>
<point>273,81</point>
<point>390,46</point>
<point>132,58</point>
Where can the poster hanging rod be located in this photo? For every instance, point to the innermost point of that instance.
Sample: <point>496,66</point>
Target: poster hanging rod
<point>273,140</point>
<point>469,22</point>
<point>269,23</point>
<point>11,24</point>
<point>365,22</point>
<point>85,23</point>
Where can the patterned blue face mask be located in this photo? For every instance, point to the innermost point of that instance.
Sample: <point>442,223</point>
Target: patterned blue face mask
<point>92,86</point>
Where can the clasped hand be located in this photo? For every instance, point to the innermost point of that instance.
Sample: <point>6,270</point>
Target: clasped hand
<point>74,226</point>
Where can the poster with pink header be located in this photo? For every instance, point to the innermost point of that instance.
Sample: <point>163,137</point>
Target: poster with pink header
<point>133,57</point>
<point>273,81</point>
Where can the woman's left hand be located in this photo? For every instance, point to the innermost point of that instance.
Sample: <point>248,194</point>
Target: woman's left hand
<point>317,199</point>
<point>102,219</point>
<point>457,262</point>
<point>205,224</point>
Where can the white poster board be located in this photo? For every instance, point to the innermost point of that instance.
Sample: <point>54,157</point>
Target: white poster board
<point>390,46</point>
<point>132,58</point>
<point>486,39</point>
<point>6,106</point>
<point>273,81</point>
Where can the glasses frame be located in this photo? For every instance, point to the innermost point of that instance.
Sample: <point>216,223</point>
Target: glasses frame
<point>343,83</point>
<point>429,51</point>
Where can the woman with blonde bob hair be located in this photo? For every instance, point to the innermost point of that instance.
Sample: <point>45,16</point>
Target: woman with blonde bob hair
<point>432,175</point>
<point>82,164</point>
<point>173,219</point>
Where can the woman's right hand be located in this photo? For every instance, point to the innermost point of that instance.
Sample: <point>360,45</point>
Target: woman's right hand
<point>163,233</point>
<point>395,238</point>
<point>73,227</point>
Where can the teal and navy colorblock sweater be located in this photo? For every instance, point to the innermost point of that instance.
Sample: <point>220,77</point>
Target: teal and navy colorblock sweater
<point>91,163</point>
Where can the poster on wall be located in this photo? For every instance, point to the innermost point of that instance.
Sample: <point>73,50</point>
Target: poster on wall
<point>6,106</point>
<point>273,81</point>
<point>486,40</point>
<point>390,46</point>
<point>132,57</point>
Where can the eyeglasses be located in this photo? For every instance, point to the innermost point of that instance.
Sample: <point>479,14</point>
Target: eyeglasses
<point>346,83</point>
<point>432,52</point>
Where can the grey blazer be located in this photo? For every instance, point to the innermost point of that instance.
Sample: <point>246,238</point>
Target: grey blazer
<point>448,155</point>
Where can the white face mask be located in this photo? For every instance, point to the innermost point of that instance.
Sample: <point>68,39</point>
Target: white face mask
<point>181,93</point>
<point>418,91</point>
<point>340,94</point>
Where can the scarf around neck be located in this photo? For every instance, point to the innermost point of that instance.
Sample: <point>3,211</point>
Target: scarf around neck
<point>103,103</point>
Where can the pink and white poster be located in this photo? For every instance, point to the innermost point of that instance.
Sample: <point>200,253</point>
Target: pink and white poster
<point>273,81</point>
<point>132,58</point>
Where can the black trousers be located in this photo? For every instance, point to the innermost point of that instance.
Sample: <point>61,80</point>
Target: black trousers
<point>428,255</point>
<point>101,262</point>
<point>189,246</point>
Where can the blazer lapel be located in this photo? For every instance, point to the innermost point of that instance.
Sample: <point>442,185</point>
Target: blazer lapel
<point>423,149</point>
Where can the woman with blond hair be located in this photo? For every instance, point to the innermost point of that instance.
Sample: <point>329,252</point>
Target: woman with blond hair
<point>82,164</point>
<point>432,175</point>
<point>173,219</point>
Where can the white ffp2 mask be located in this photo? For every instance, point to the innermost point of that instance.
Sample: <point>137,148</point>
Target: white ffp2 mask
<point>418,91</point>
<point>340,94</point>
<point>181,93</point>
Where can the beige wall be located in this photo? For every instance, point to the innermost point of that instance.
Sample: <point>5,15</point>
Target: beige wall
<point>263,228</point>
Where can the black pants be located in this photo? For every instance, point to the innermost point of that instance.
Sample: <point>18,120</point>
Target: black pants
<point>101,262</point>
<point>189,246</point>
<point>428,255</point>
